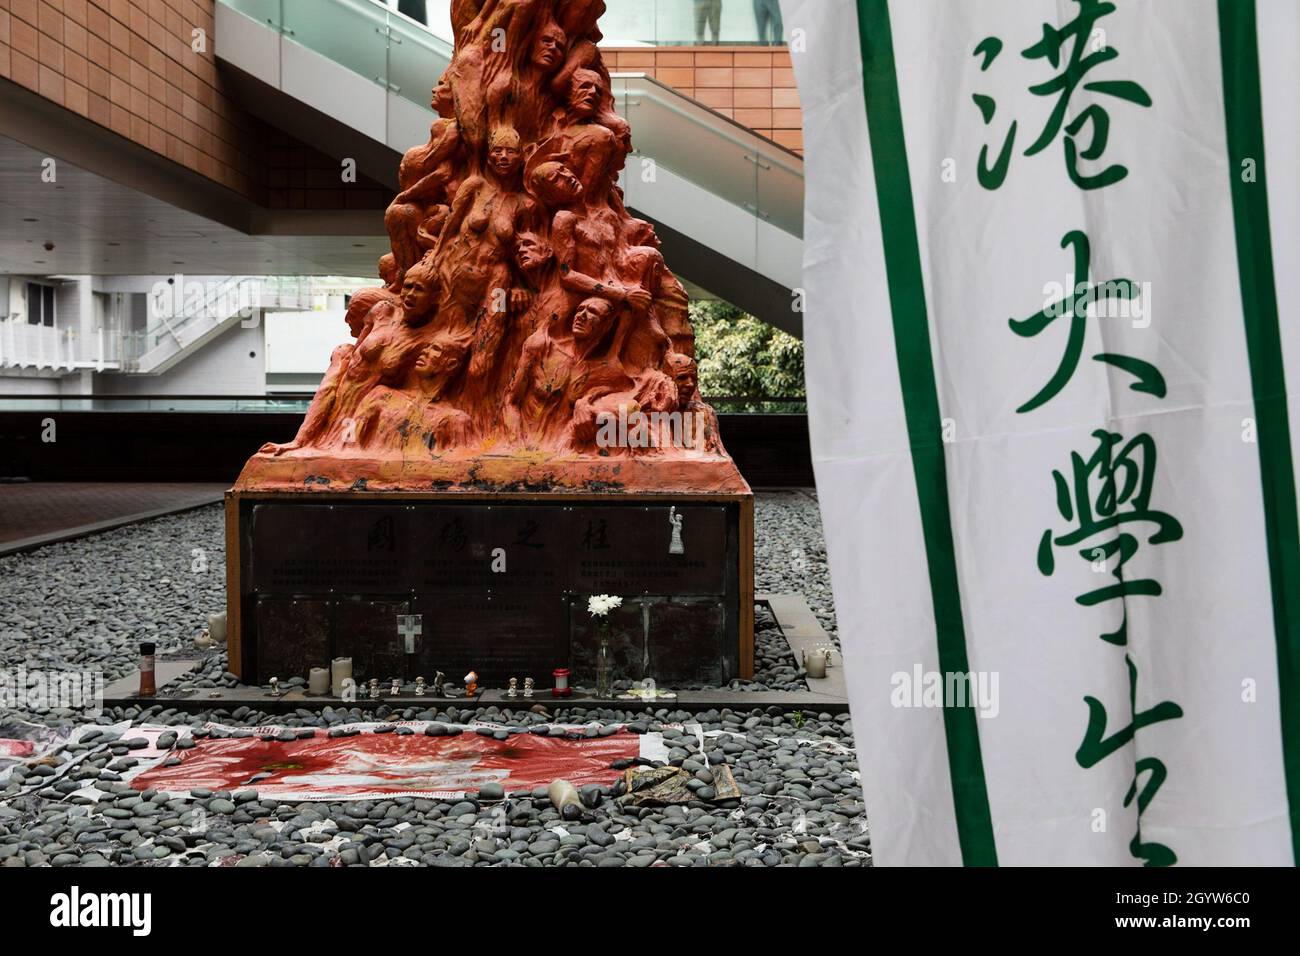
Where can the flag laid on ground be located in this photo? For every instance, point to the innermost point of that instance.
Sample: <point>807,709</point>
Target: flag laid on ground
<point>1047,376</point>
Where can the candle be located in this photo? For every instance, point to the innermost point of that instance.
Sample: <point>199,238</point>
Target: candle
<point>341,669</point>
<point>318,681</point>
<point>563,795</point>
<point>148,686</point>
<point>815,664</point>
<point>217,627</point>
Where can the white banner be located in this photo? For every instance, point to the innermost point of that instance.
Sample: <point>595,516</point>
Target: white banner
<point>1047,359</point>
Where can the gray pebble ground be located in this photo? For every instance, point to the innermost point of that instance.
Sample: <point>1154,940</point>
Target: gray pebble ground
<point>88,604</point>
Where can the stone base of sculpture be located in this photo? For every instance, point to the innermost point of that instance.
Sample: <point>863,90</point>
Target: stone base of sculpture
<point>410,585</point>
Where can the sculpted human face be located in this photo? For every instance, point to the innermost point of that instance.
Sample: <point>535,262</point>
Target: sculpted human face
<point>548,49</point>
<point>584,98</point>
<point>591,320</point>
<point>533,252</point>
<point>504,157</point>
<point>437,360</point>
<point>418,295</point>
<point>687,381</point>
<point>443,102</point>
<point>559,186</point>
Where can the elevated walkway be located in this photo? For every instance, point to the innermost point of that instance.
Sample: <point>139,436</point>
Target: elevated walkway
<point>726,202</point>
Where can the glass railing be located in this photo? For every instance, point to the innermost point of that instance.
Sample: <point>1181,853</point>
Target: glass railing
<point>625,23</point>
<point>691,140</point>
<point>692,23</point>
<point>704,147</point>
<point>369,37</point>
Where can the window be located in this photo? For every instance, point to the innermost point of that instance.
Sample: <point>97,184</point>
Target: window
<point>40,304</point>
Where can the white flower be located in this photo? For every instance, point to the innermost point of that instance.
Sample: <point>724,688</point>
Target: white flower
<point>598,605</point>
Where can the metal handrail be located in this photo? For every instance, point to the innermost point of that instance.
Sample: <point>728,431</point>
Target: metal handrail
<point>746,135</point>
<point>207,308</point>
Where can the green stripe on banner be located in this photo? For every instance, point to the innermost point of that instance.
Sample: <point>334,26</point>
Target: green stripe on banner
<point>921,404</point>
<point>1239,50</point>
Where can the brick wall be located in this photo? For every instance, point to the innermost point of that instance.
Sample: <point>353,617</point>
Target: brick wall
<point>756,88</point>
<point>129,66</point>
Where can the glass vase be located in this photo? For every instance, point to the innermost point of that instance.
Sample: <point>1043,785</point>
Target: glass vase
<point>604,668</point>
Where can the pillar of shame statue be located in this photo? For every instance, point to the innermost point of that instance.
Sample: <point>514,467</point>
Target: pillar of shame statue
<point>528,335</point>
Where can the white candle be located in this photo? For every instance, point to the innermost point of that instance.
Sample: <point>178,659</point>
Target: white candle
<point>217,627</point>
<point>815,665</point>
<point>318,681</point>
<point>341,670</point>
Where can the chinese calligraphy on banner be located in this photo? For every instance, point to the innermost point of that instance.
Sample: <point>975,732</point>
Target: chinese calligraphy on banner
<point>1045,335</point>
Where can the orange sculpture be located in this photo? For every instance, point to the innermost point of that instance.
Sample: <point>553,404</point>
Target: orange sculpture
<point>528,335</point>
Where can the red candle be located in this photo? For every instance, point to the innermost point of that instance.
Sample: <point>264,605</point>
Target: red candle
<point>148,688</point>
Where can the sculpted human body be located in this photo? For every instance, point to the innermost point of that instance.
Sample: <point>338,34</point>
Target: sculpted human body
<point>366,308</point>
<point>428,176</point>
<point>523,304</point>
<point>417,410</point>
<point>561,364</point>
<point>477,244</point>
<point>384,356</point>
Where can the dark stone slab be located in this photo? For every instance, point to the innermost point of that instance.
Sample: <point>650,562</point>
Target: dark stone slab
<point>626,551</point>
<point>497,636</point>
<point>509,549</point>
<point>293,637</point>
<point>323,549</point>
<point>673,641</point>
<point>454,553</point>
<point>501,588</point>
<point>365,629</point>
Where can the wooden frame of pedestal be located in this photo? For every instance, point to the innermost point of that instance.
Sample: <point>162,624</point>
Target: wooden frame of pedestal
<point>311,575</point>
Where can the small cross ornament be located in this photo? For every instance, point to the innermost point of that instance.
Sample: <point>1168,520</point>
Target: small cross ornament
<point>410,627</point>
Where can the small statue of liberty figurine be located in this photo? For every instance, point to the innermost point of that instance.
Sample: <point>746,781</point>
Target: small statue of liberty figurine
<point>674,519</point>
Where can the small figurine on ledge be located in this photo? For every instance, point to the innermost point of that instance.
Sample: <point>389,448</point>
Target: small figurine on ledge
<point>675,522</point>
<point>374,688</point>
<point>513,690</point>
<point>275,687</point>
<point>419,687</point>
<point>440,684</point>
<point>471,684</point>
<point>396,689</point>
<point>528,688</point>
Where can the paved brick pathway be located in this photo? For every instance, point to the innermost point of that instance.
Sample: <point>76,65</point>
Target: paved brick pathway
<point>39,512</point>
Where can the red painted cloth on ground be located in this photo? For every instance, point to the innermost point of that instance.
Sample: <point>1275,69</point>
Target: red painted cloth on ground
<point>324,768</point>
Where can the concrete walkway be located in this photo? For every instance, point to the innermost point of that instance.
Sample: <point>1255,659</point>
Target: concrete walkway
<point>37,513</point>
